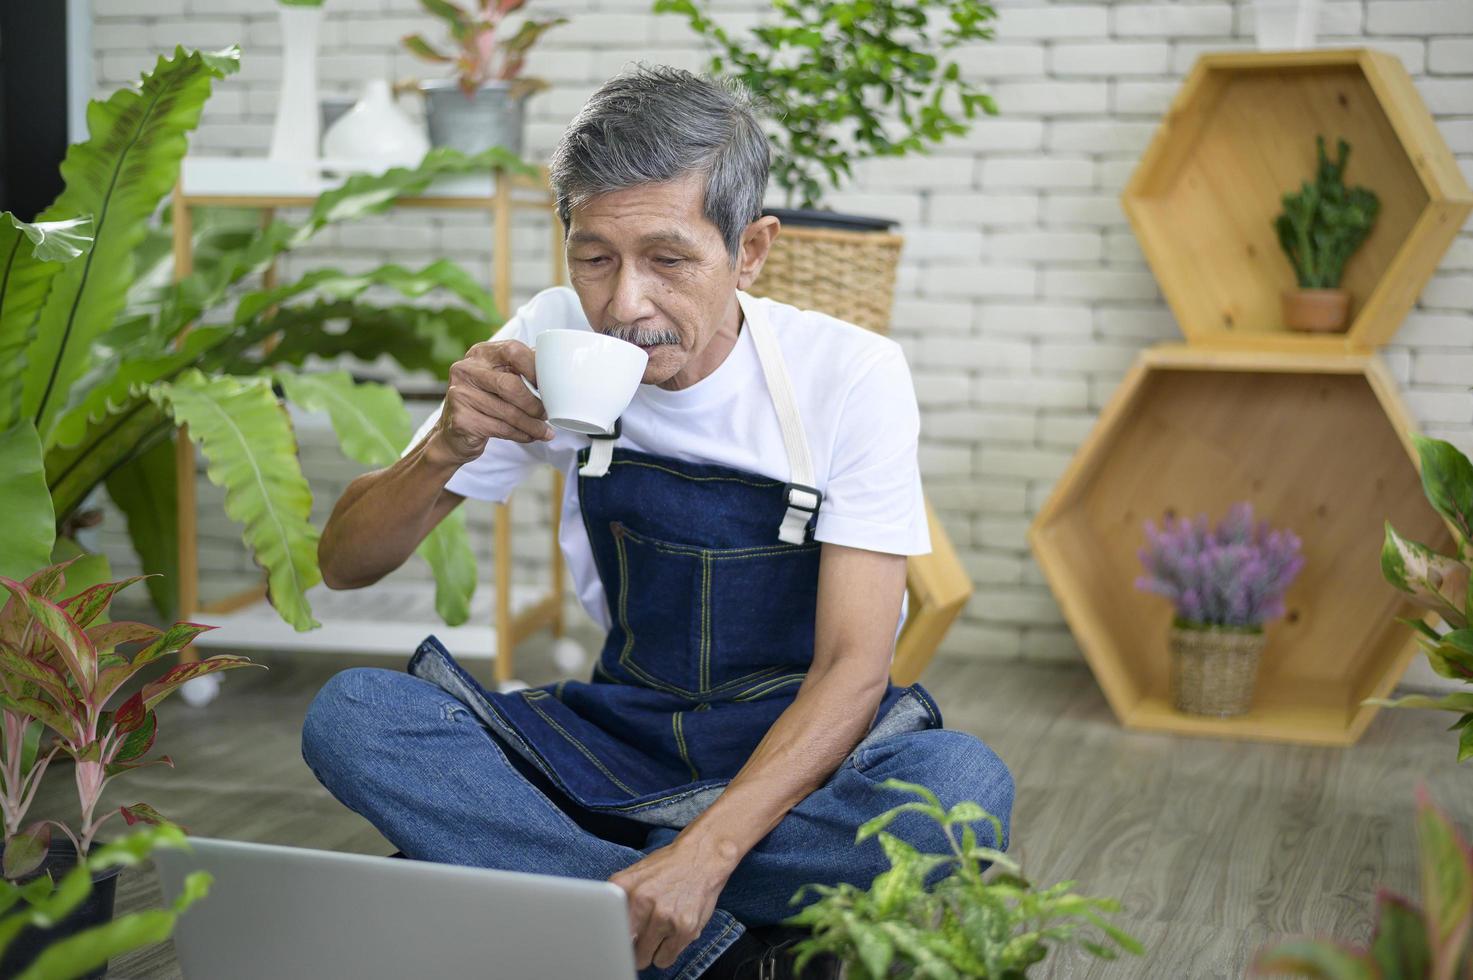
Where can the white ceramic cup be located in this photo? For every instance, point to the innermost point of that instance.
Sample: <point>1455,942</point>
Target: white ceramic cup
<point>586,379</point>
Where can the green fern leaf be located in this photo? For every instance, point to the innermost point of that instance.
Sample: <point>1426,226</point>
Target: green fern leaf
<point>251,451</point>
<point>119,175</point>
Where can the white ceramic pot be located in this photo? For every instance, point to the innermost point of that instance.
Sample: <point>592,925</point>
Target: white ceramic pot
<point>376,129</point>
<point>295,135</point>
<point>1284,25</point>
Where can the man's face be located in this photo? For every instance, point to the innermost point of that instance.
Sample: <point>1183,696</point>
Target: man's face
<point>650,268</point>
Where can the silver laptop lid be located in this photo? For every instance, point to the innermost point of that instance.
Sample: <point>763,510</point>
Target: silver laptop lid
<point>288,912</point>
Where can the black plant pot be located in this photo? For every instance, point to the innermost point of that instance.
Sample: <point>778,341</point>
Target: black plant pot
<point>808,218</point>
<point>94,910</point>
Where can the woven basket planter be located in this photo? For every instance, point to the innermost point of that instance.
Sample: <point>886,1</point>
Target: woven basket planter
<point>846,274</point>
<point>1213,670</point>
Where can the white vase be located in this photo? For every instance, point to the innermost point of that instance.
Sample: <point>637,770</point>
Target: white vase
<point>1284,25</point>
<point>295,135</point>
<point>376,129</point>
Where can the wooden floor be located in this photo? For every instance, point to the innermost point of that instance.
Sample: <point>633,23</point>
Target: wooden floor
<point>1214,847</point>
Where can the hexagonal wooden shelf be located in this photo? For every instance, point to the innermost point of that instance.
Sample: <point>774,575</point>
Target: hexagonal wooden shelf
<point>1241,133</point>
<point>1321,444</point>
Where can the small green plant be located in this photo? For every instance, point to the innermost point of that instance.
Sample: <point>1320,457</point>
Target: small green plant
<point>1441,583</point>
<point>832,72</point>
<point>965,926</point>
<point>1325,222</point>
<point>1409,943</point>
<point>44,902</point>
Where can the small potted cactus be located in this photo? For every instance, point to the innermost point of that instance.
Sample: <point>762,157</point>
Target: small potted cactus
<point>1225,584</point>
<point>1320,227</point>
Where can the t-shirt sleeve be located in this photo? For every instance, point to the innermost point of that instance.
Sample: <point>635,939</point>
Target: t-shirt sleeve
<point>873,499</point>
<point>503,464</point>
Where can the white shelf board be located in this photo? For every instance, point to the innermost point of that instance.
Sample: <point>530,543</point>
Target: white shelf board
<point>207,176</point>
<point>381,619</point>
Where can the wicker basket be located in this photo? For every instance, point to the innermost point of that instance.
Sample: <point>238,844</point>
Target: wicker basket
<point>846,274</point>
<point>1213,670</point>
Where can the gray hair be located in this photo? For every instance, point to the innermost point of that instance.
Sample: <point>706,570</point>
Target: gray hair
<point>654,124</point>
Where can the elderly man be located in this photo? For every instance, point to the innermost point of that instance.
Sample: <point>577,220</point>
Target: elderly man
<point>741,535</point>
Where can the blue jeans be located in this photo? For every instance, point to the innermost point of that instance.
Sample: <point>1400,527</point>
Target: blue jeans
<point>416,763</point>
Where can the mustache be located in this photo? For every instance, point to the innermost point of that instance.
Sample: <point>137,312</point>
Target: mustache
<point>642,337</point>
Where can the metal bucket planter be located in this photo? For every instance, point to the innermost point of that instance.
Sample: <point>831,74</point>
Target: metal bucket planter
<point>1213,669</point>
<point>492,116</point>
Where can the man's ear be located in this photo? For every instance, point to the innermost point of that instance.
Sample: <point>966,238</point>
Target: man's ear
<point>757,240</point>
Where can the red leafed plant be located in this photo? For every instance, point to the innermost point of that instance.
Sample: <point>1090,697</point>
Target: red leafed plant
<point>58,668</point>
<point>475,33</point>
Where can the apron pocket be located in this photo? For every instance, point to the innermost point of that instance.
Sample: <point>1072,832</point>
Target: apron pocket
<point>673,598</point>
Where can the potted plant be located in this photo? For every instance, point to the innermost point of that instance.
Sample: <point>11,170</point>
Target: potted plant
<point>482,105</point>
<point>1434,942</point>
<point>833,75</point>
<point>1441,583</point>
<point>1320,227</point>
<point>44,901</point>
<point>59,666</point>
<point>1225,584</point>
<point>960,925</point>
<point>104,363</point>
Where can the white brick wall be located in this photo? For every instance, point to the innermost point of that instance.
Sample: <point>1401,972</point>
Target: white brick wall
<point>1023,297</point>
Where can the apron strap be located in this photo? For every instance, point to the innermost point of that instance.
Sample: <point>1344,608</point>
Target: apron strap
<point>803,497</point>
<point>601,452</point>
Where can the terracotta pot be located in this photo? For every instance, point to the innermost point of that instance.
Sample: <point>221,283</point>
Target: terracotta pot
<point>1213,670</point>
<point>1316,310</point>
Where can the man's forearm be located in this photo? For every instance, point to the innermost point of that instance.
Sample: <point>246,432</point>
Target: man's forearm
<point>827,719</point>
<point>380,519</point>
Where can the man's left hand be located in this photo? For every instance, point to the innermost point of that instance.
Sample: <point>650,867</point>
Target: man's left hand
<point>672,894</point>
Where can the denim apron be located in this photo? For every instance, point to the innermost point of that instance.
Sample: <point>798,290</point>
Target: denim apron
<point>711,575</point>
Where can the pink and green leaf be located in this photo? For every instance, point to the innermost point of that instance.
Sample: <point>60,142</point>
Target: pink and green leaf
<point>174,639</point>
<point>86,606</point>
<point>1399,946</point>
<point>1430,578</point>
<point>419,46</point>
<point>1447,885</point>
<point>139,740</point>
<point>121,767</point>
<point>47,677</point>
<point>131,714</point>
<point>180,674</point>
<point>26,849</point>
<point>46,714</point>
<point>106,636</point>
<point>143,813</point>
<point>73,645</point>
<point>1322,959</point>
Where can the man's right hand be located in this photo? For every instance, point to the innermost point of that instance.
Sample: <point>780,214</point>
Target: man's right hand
<point>486,400</point>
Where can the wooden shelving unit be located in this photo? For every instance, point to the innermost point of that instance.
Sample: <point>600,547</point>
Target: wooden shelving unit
<point>1239,134</point>
<point>1309,428</point>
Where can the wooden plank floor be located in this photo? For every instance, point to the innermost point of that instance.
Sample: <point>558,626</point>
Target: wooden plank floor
<point>1214,847</point>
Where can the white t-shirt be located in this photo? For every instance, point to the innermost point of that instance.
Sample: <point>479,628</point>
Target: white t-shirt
<point>854,394</point>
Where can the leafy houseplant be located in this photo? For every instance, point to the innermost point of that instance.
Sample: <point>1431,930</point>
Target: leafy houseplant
<point>1320,227</point>
<point>845,80</point>
<point>965,925</point>
<point>103,362</point>
<point>832,72</point>
<point>488,66</point>
<point>59,666</point>
<point>1225,583</point>
<point>43,902</point>
<point>1441,583</point>
<point>1434,942</point>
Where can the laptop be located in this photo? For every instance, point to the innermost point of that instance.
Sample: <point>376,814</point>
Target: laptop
<point>290,912</point>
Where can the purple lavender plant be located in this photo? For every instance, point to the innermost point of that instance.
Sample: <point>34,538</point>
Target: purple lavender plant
<point>1233,575</point>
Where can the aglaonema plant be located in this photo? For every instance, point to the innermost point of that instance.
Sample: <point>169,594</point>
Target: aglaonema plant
<point>966,925</point>
<point>1441,583</point>
<point>107,355</point>
<point>59,667</point>
<point>45,901</point>
<point>1431,942</point>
